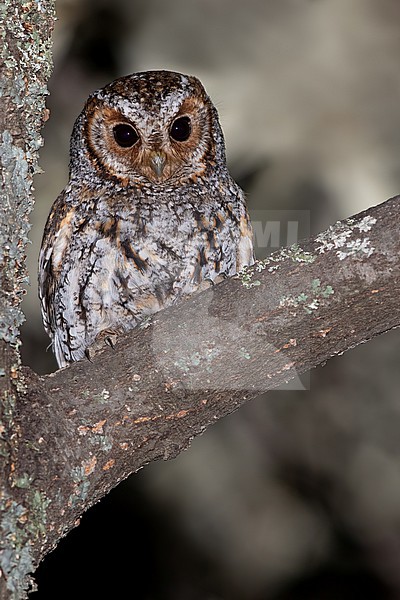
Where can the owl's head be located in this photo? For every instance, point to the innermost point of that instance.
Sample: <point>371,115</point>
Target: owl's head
<point>155,127</point>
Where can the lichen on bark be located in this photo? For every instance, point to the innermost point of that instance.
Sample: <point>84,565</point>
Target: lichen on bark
<point>25,35</point>
<point>25,62</point>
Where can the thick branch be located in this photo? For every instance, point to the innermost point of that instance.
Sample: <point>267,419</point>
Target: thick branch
<point>89,426</point>
<point>25,29</point>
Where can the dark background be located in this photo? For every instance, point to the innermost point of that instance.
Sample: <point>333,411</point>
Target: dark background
<point>297,495</point>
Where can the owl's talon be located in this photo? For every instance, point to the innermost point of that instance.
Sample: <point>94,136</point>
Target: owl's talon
<point>88,354</point>
<point>103,339</point>
<point>110,342</point>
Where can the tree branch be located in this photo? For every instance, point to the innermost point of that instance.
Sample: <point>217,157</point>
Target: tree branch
<point>87,427</point>
<point>25,61</point>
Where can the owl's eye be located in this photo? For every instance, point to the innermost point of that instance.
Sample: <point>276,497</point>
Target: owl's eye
<point>181,129</point>
<point>125,135</point>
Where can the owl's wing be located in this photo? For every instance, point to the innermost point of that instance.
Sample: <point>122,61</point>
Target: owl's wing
<point>245,249</point>
<point>55,239</point>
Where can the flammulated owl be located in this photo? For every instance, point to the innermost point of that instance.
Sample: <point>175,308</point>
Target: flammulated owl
<point>149,214</point>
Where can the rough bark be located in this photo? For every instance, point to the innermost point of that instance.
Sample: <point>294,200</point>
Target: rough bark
<point>25,31</point>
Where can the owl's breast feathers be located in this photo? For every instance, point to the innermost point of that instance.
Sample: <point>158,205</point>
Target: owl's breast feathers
<point>107,265</point>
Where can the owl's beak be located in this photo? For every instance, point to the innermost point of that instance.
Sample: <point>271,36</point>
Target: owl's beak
<point>157,162</point>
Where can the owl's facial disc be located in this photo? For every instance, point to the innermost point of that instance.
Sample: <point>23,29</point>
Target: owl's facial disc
<point>158,144</point>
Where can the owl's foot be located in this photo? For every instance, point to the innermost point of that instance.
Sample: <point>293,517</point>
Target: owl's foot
<point>207,283</point>
<point>220,277</point>
<point>107,337</point>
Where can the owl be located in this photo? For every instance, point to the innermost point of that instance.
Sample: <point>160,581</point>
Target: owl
<point>150,213</point>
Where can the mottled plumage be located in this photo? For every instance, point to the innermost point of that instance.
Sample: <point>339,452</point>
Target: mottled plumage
<point>149,214</point>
